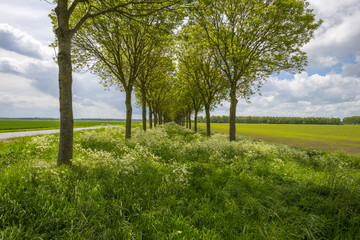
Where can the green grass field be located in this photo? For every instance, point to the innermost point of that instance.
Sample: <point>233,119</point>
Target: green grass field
<point>172,183</point>
<point>318,137</point>
<point>28,125</point>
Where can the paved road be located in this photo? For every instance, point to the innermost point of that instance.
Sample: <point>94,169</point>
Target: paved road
<point>7,135</point>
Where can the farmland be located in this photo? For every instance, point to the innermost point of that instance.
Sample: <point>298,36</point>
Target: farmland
<point>11,125</point>
<point>318,137</point>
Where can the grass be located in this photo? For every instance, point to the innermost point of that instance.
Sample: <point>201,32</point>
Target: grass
<point>29,125</point>
<point>344,138</point>
<point>171,183</point>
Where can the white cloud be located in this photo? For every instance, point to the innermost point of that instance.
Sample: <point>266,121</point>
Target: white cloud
<point>28,82</point>
<point>18,98</point>
<point>30,15</point>
<point>21,97</point>
<point>28,76</point>
<point>332,95</point>
<point>29,87</point>
<point>43,73</point>
<point>352,69</point>
<point>88,108</point>
<point>13,39</point>
<point>301,88</point>
<point>334,7</point>
<point>338,36</point>
<point>327,61</point>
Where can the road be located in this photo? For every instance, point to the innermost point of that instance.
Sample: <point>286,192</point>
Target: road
<point>8,135</point>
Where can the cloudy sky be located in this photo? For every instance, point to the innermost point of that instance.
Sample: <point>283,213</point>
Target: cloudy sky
<point>330,86</point>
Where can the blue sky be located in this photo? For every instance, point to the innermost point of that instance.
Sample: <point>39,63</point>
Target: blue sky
<point>329,86</point>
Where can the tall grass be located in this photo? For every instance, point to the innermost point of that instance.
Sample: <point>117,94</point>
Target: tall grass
<point>172,183</point>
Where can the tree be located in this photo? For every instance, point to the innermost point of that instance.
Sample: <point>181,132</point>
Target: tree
<point>145,76</point>
<point>68,17</point>
<point>65,29</point>
<point>196,103</point>
<point>118,49</point>
<point>254,39</point>
<point>198,64</point>
<point>160,89</point>
<point>188,94</point>
<point>150,71</point>
<point>182,95</point>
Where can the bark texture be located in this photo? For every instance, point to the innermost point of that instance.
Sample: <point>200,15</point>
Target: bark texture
<point>143,100</point>
<point>155,118</point>
<point>64,36</point>
<point>232,117</point>
<point>150,117</point>
<point>128,114</point>
<point>207,116</point>
<point>189,120</point>
<point>65,99</point>
<point>195,121</point>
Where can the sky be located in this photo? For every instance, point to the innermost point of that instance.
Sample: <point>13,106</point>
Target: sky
<point>329,86</point>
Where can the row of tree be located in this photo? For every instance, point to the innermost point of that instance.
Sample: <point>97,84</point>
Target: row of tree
<point>276,120</point>
<point>178,57</point>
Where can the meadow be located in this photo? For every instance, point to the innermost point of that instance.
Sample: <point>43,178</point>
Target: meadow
<point>344,138</point>
<point>172,183</point>
<point>11,125</point>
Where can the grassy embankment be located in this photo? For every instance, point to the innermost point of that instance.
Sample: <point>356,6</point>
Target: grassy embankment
<point>171,183</point>
<point>317,137</point>
<point>30,125</point>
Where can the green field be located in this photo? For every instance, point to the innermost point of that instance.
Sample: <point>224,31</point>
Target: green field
<point>172,183</point>
<point>28,125</point>
<point>318,137</point>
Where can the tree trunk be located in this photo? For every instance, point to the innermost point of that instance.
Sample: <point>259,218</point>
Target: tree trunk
<point>150,117</point>
<point>187,121</point>
<point>143,109</point>
<point>65,152</point>
<point>160,118</point>
<point>195,121</point>
<point>232,117</point>
<point>128,113</point>
<point>190,120</point>
<point>155,119</point>
<point>207,113</point>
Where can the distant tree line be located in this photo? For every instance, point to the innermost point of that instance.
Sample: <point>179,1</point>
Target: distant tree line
<point>32,118</point>
<point>352,120</point>
<point>284,120</point>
